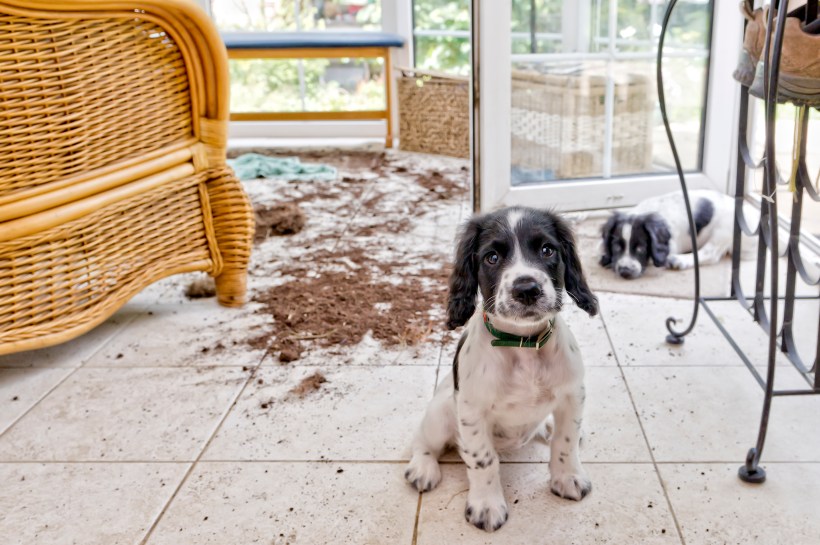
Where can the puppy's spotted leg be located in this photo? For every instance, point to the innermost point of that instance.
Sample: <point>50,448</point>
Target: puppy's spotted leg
<point>486,507</point>
<point>437,430</point>
<point>568,479</point>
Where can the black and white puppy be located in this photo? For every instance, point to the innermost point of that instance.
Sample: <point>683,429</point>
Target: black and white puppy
<point>656,231</point>
<point>517,364</point>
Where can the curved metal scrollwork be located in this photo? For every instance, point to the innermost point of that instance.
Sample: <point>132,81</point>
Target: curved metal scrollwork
<point>676,337</point>
<point>765,305</point>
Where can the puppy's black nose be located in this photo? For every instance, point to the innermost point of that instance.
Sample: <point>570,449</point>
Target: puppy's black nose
<point>526,290</point>
<point>627,273</point>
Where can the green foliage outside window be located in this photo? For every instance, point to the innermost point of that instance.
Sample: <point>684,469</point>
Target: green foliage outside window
<point>273,85</point>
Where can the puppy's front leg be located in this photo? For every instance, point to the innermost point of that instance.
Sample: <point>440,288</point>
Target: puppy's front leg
<point>486,506</point>
<point>568,479</point>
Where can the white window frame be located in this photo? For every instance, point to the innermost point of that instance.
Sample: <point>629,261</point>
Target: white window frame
<point>494,150</point>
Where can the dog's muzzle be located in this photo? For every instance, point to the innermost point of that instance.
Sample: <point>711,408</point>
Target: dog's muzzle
<point>628,268</point>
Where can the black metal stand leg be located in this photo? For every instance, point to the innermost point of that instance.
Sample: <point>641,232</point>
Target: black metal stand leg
<point>677,337</point>
<point>751,471</point>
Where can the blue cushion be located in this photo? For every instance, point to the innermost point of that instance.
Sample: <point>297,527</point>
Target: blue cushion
<point>309,40</point>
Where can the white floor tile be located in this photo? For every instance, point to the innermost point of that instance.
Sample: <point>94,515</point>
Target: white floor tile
<point>712,414</point>
<point>125,414</point>
<point>591,336</point>
<point>713,506</point>
<point>637,328</point>
<point>626,506</point>
<point>296,503</point>
<point>195,333</point>
<point>20,389</point>
<point>360,413</point>
<point>75,352</point>
<point>92,504</point>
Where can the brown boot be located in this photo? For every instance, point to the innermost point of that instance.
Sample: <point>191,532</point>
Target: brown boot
<point>753,42</point>
<point>799,78</point>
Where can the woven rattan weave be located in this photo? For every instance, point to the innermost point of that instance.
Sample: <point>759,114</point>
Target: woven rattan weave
<point>113,121</point>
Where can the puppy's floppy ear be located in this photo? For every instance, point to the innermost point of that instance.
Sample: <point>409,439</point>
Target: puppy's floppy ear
<point>574,281</point>
<point>606,234</point>
<point>464,278</point>
<point>658,239</point>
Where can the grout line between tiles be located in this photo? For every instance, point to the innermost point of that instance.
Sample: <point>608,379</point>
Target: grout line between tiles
<point>88,357</point>
<point>416,523</point>
<point>237,366</point>
<point>645,437</point>
<point>39,400</point>
<point>251,376</point>
<point>393,462</point>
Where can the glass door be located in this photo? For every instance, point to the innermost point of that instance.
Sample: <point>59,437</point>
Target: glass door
<point>568,112</point>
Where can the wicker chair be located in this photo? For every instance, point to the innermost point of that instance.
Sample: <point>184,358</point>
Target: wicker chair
<point>113,121</point>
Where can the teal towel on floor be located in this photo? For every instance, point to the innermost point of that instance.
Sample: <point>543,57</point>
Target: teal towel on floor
<point>253,165</point>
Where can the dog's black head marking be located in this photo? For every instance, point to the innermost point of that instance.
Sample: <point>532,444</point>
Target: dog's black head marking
<point>629,242</point>
<point>519,259</point>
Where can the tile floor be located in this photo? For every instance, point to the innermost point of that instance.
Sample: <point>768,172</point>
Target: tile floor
<point>163,427</point>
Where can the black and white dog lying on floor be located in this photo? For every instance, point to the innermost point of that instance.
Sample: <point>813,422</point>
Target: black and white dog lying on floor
<point>517,365</point>
<point>656,231</point>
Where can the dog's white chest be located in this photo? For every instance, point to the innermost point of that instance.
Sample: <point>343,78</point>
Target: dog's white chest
<point>527,390</point>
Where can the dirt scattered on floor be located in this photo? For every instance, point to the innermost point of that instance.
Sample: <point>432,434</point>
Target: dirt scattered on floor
<point>201,288</point>
<point>308,385</point>
<point>340,307</point>
<point>395,227</point>
<point>440,187</point>
<point>384,285</point>
<point>277,220</point>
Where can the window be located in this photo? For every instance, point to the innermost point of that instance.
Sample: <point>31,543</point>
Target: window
<point>441,35</point>
<point>302,84</point>
<point>584,98</point>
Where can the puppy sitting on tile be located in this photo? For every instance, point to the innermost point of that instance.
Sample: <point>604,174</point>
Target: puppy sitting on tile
<point>517,364</point>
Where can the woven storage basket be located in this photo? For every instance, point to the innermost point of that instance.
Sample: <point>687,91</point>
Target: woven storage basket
<point>434,113</point>
<point>559,124</point>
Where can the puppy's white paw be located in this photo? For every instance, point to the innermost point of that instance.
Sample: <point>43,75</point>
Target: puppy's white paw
<point>570,486</point>
<point>423,472</point>
<point>680,262</point>
<point>487,511</point>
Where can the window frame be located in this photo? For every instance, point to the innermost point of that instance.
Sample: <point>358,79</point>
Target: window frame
<point>494,149</point>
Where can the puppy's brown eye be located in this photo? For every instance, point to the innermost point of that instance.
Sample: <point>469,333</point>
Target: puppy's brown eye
<point>492,258</point>
<point>547,250</point>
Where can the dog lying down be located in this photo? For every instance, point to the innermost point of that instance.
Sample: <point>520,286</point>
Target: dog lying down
<point>656,231</point>
<point>517,366</point>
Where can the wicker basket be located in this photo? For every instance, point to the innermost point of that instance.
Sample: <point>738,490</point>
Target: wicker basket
<point>559,124</point>
<point>434,113</point>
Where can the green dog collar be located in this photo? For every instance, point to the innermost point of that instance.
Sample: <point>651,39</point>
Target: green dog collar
<point>508,339</point>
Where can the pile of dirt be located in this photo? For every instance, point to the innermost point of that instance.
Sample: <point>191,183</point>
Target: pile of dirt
<point>277,220</point>
<point>308,385</point>
<point>340,307</point>
<point>201,288</point>
<point>440,187</point>
<point>377,281</point>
